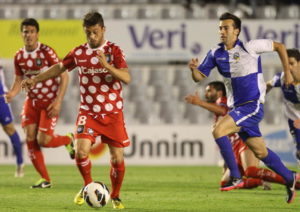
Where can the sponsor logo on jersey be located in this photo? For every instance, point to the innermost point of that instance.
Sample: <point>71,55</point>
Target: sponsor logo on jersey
<point>30,72</point>
<point>221,58</point>
<point>92,71</point>
<point>38,62</point>
<point>80,129</point>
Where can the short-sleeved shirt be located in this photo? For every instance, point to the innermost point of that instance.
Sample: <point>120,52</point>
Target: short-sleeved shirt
<point>100,92</point>
<point>241,69</point>
<point>29,64</point>
<point>291,96</point>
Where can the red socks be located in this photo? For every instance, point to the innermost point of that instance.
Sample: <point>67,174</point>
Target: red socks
<point>84,165</point>
<point>58,140</point>
<point>117,172</point>
<point>264,174</point>
<point>37,159</point>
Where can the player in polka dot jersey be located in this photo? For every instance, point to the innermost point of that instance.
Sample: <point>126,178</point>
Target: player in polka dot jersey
<point>43,101</point>
<point>102,68</point>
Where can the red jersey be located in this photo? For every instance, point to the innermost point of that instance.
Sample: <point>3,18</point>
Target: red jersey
<point>100,92</point>
<point>29,64</point>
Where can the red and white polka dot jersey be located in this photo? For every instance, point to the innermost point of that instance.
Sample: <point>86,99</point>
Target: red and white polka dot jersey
<point>101,93</point>
<point>29,64</point>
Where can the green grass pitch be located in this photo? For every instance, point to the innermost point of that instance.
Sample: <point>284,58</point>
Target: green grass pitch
<point>145,189</point>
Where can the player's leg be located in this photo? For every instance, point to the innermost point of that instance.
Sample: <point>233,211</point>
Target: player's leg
<point>84,165</point>
<point>6,120</point>
<point>117,172</point>
<point>36,156</point>
<point>223,128</point>
<point>271,159</point>
<point>14,137</point>
<point>251,169</point>
<point>30,118</point>
<point>47,138</point>
<point>295,132</point>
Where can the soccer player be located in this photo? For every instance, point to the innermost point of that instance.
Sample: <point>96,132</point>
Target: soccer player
<point>291,96</point>
<point>248,164</point>
<point>101,68</point>
<point>240,65</point>
<point>43,101</point>
<point>6,120</point>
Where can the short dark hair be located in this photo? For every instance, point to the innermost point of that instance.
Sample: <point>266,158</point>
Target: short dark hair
<point>30,22</point>
<point>237,23</point>
<point>294,53</point>
<point>92,18</point>
<point>219,86</point>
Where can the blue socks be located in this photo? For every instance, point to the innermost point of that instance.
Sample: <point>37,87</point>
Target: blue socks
<point>273,162</point>
<point>16,142</point>
<point>227,154</point>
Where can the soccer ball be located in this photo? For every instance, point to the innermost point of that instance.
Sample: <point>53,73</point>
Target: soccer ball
<point>96,194</point>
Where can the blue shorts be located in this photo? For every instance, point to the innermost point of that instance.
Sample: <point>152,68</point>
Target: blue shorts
<point>247,117</point>
<point>5,112</point>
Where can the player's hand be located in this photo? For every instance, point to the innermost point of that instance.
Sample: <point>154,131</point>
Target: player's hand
<point>288,78</point>
<point>193,63</point>
<point>102,59</point>
<point>8,97</point>
<point>54,108</point>
<point>297,123</point>
<point>193,99</point>
<point>27,84</point>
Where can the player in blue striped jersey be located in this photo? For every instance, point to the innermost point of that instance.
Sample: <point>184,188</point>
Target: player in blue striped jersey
<point>291,96</point>
<point>240,65</point>
<point>6,120</point>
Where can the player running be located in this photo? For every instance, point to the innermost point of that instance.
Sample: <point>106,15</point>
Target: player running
<point>240,65</point>
<point>101,68</point>
<point>248,164</point>
<point>43,101</point>
<point>291,96</point>
<point>6,120</point>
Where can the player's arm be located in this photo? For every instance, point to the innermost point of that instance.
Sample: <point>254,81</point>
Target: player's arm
<point>54,108</point>
<point>196,100</point>
<point>196,74</point>
<point>281,50</point>
<point>52,72</point>
<point>121,74</point>
<point>15,89</point>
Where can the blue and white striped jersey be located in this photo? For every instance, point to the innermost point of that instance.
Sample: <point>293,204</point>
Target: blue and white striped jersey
<point>291,96</point>
<point>3,88</point>
<point>241,69</point>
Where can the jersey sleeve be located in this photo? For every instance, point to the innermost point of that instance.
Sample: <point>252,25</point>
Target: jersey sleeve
<point>276,80</point>
<point>207,64</point>
<point>69,61</point>
<point>18,70</point>
<point>51,57</point>
<point>260,46</point>
<point>119,58</point>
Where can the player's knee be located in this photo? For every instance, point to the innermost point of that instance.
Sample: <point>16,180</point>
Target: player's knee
<point>80,153</point>
<point>217,132</point>
<point>260,154</point>
<point>9,129</point>
<point>43,139</point>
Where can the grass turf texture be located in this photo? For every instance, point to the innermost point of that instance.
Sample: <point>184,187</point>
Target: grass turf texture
<point>145,189</point>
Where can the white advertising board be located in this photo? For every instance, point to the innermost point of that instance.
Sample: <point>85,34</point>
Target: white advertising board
<point>160,145</point>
